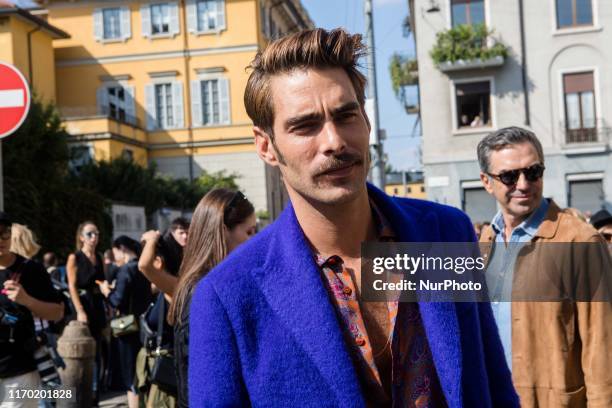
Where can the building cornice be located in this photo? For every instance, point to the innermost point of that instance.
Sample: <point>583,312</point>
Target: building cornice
<point>156,55</point>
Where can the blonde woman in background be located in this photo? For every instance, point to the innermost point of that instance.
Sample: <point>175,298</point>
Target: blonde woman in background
<point>23,241</point>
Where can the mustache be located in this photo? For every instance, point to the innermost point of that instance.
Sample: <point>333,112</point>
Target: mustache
<point>339,161</point>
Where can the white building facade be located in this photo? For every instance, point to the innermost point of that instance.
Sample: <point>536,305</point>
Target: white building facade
<point>556,80</point>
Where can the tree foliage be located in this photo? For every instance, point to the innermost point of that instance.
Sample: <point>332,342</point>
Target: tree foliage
<point>41,191</point>
<point>125,181</point>
<point>403,72</point>
<point>36,190</point>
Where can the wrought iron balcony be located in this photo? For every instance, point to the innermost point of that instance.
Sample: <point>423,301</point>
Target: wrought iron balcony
<point>597,132</point>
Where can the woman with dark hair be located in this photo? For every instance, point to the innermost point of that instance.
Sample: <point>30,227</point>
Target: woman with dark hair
<point>222,220</point>
<point>160,262</point>
<point>84,268</point>
<point>131,296</point>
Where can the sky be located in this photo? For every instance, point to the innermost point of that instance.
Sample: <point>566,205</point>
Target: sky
<point>402,144</point>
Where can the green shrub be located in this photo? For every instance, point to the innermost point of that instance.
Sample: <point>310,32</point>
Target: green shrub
<point>466,42</point>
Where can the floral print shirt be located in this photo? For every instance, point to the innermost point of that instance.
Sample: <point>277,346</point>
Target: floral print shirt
<point>414,379</point>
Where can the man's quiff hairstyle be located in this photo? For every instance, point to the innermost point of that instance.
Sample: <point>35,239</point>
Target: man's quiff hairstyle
<point>316,48</point>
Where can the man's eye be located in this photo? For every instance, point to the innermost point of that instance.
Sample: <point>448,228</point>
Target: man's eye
<point>304,127</point>
<point>347,116</point>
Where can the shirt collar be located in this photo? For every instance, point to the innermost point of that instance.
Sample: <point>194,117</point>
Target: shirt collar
<point>383,229</point>
<point>529,226</point>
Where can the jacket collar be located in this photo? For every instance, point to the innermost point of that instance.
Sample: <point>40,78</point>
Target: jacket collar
<point>550,225</point>
<point>547,229</point>
<point>291,282</point>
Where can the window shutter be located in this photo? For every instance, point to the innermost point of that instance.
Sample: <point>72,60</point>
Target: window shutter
<point>220,15</point>
<point>192,17</point>
<point>126,26</point>
<point>224,102</point>
<point>130,108</point>
<point>196,104</point>
<point>151,112</point>
<point>145,13</point>
<point>102,100</point>
<point>98,20</point>
<point>174,18</point>
<point>582,82</point>
<point>177,104</point>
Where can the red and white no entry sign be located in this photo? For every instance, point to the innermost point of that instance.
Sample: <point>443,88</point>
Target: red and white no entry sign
<point>14,99</point>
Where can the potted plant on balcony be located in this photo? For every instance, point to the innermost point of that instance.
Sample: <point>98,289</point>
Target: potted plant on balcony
<point>468,46</point>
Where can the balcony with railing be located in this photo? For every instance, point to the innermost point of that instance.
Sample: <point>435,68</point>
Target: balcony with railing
<point>588,133</point>
<point>91,123</point>
<point>466,47</point>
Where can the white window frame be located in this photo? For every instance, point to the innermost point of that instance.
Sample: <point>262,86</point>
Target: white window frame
<point>575,30</point>
<point>493,107</point>
<point>561,94</point>
<point>168,8</point>
<point>193,21</point>
<point>210,77</point>
<point>164,107</point>
<point>147,20</point>
<point>129,100</point>
<point>449,14</point>
<point>178,103</point>
<point>125,24</point>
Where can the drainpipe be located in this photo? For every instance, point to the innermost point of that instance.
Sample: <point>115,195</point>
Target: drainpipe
<point>187,58</point>
<point>30,74</point>
<point>524,64</point>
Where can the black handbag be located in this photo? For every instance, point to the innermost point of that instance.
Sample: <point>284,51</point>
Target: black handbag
<point>163,373</point>
<point>147,335</point>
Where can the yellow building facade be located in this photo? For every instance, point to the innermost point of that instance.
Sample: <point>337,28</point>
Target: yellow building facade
<point>407,184</point>
<point>163,81</point>
<point>412,190</point>
<point>26,42</point>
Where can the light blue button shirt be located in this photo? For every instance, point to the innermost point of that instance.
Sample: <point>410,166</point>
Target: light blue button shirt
<point>500,270</point>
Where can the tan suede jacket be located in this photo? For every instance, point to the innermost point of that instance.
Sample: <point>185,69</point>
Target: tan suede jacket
<point>561,351</point>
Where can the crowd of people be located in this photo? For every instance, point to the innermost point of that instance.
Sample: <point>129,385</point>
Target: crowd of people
<point>197,316</point>
<point>134,299</point>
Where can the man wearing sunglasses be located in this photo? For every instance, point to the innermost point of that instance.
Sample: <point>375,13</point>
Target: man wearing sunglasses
<point>558,350</point>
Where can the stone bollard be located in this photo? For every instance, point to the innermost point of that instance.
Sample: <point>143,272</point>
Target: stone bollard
<point>78,349</point>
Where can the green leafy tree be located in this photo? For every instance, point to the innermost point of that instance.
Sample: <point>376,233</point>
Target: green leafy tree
<point>123,180</point>
<point>37,191</point>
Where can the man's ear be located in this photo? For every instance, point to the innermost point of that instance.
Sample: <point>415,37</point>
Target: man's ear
<point>487,182</point>
<point>264,146</point>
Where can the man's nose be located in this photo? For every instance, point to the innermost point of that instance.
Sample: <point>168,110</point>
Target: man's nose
<point>331,140</point>
<point>522,183</point>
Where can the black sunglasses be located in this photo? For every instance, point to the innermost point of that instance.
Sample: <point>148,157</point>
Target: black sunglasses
<point>510,177</point>
<point>91,234</point>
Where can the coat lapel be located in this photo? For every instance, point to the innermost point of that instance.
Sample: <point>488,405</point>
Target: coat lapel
<point>439,319</point>
<point>292,285</point>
